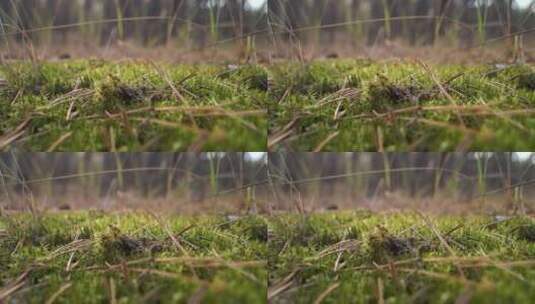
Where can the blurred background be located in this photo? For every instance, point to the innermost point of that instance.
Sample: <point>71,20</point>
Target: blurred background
<point>242,183</point>
<point>398,28</point>
<point>435,182</point>
<point>130,28</point>
<point>444,30</point>
<point>174,182</point>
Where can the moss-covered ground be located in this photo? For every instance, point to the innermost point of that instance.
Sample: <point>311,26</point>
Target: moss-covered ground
<point>361,105</point>
<point>361,257</point>
<point>92,257</point>
<point>339,257</point>
<point>93,105</point>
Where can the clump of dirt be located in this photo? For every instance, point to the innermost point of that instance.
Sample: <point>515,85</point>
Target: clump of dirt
<point>129,245</point>
<point>117,93</point>
<point>307,232</point>
<point>125,94</point>
<point>527,81</point>
<point>386,93</point>
<point>257,230</point>
<point>258,82</point>
<point>118,244</point>
<point>384,245</point>
<point>393,246</point>
<point>254,77</point>
<point>130,94</point>
<point>521,75</point>
<point>526,232</point>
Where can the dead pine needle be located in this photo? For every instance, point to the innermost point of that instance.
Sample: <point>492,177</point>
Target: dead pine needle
<point>13,286</point>
<point>326,141</point>
<point>325,293</point>
<point>380,291</point>
<point>113,290</point>
<point>58,293</point>
<point>280,286</point>
<point>58,142</point>
<point>444,243</point>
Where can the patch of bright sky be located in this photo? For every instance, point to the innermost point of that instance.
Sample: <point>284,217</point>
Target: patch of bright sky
<point>256,156</point>
<point>256,4</point>
<point>524,3</point>
<point>524,155</point>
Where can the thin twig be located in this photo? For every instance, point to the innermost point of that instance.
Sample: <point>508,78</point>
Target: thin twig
<point>325,293</point>
<point>61,290</point>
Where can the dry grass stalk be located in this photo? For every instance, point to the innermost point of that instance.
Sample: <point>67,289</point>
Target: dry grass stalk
<point>282,134</point>
<point>326,141</point>
<point>443,91</point>
<point>113,291</point>
<point>76,94</point>
<point>342,246</point>
<point>12,136</point>
<point>346,94</point>
<point>207,262</point>
<point>440,124</point>
<point>13,286</point>
<point>58,293</point>
<point>380,291</point>
<point>59,141</point>
<point>282,285</point>
<point>444,243</point>
<point>198,295</point>
<point>436,275</point>
<point>325,293</point>
<point>74,246</point>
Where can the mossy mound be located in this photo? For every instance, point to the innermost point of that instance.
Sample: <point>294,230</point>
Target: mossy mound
<point>360,105</point>
<point>96,105</point>
<point>361,257</point>
<point>90,257</point>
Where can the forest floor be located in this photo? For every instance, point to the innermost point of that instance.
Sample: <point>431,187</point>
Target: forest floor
<point>95,105</point>
<point>400,105</point>
<point>93,257</point>
<point>338,257</point>
<point>364,257</point>
<point>324,105</point>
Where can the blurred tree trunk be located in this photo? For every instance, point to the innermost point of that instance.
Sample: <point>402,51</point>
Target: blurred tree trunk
<point>353,16</point>
<point>331,16</point>
<point>420,27</point>
<point>63,14</point>
<point>442,12</point>
<point>155,32</point>
<point>468,16</point>
<point>108,29</point>
<point>375,28</point>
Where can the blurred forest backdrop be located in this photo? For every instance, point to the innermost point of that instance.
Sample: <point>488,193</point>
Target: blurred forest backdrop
<point>333,25</point>
<point>336,26</point>
<point>441,181</point>
<point>131,180</point>
<point>180,24</point>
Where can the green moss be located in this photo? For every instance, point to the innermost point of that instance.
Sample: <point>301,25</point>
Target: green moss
<point>169,108</point>
<point>135,241</point>
<point>401,250</point>
<point>381,110</point>
<point>404,253</point>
